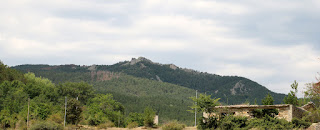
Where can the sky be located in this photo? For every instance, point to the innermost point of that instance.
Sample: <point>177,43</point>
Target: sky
<point>271,42</point>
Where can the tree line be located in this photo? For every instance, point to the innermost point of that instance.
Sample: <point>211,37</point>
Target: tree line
<point>27,100</point>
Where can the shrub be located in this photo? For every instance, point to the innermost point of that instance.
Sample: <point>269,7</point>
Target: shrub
<point>300,123</point>
<point>135,117</point>
<point>314,116</point>
<point>46,125</point>
<point>97,119</point>
<point>57,118</point>
<point>207,123</point>
<point>7,120</point>
<point>106,125</point>
<point>232,122</point>
<point>174,125</point>
<point>240,122</point>
<point>74,111</point>
<point>148,117</point>
<point>133,125</point>
<point>268,122</point>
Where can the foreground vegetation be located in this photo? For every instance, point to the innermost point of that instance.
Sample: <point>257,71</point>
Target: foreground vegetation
<point>263,118</point>
<point>35,101</point>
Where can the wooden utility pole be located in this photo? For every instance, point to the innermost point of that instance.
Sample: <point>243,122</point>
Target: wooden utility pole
<point>195,111</point>
<point>65,112</point>
<point>119,120</point>
<point>28,113</point>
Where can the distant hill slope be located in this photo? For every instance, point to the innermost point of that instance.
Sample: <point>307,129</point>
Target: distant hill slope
<point>231,89</point>
<point>170,101</point>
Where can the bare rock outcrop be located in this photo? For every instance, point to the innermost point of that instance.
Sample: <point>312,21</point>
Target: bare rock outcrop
<point>240,86</point>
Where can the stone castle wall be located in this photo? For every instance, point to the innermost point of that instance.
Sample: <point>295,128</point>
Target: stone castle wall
<point>286,111</point>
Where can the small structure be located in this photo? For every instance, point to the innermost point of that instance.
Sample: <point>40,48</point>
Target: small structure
<point>309,106</point>
<point>156,120</point>
<point>286,111</point>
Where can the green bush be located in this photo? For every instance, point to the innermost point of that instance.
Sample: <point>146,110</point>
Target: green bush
<point>106,125</point>
<point>136,117</point>
<point>57,118</point>
<point>207,123</point>
<point>268,122</point>
<point>240,122</point>
<point>148,117</point>
<point>133,125</point>
<point>232,122</point>
<point>174,125</point>
<point>314,116</point>
<point>46,125</point>
<point>300,123</point>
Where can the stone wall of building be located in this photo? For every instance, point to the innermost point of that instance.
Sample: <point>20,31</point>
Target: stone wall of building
<point>298,112</point>
<point>242,112</point>
<point>285,113</point>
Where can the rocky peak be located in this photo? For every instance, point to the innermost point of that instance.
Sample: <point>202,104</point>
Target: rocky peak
<point>172,66</point>
<point>92,68</point>
<point>135,61</point>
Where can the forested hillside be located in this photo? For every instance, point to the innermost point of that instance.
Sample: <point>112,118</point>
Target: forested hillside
<point>170,101</point>
<point>231,89</point>
<point>25,97</point>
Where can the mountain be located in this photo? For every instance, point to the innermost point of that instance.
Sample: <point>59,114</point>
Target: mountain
<point>170,101</point>
<point>231,89</point>
<point>165,87</point>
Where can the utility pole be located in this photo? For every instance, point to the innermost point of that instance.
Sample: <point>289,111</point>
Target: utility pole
<point>28,113</point>
<point>119,120</point>
<point>77,106</point>
<point>65,112</point>
<point>195,111</point>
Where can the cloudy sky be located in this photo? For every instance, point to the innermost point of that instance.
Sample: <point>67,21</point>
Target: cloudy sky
<point>272,42</point>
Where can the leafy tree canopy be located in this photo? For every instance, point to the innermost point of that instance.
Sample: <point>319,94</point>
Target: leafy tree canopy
<point>148,117</point>
<point>268,100</point>
<point>204,103</point>
<point>292,98</point>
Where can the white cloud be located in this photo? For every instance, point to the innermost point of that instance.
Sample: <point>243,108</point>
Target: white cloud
<point>272,42</point>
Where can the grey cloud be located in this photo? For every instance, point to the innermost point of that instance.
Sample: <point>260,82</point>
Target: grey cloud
<point>271,42</point>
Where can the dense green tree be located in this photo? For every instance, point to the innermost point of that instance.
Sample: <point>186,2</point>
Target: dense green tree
<point>135,117</point>
<point>292,98</point>
<point>8,74</point>
<point>41,107</point>
<point>268,100</point>
<point>15,98</point>
<point>204,103</point>
<point>37,86</point>
<point>12,102</point>
<point>148,117</point>
<point>81,90</point>
<point>103,108</point>
<point>74,111</point>
<point>313,92</point>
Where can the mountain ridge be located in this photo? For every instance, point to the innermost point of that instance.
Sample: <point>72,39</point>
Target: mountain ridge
<point>231,89</point>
